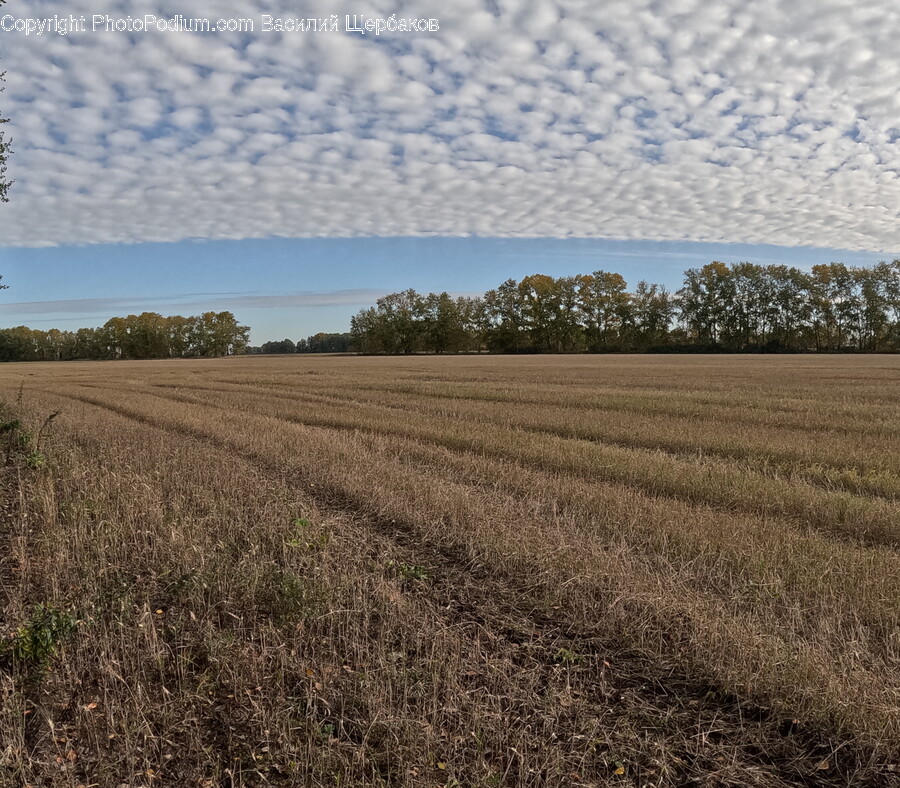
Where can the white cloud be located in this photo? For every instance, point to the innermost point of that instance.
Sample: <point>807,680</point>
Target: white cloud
<point>728,120</point>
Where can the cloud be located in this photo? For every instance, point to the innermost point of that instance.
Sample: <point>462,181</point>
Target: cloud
<point>71,306</point>
<point>768,121</point>
<point>359,297</point>
<point>219,301</point>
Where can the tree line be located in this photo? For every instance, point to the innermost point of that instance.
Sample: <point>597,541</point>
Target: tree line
<point>317,343</point>
<point>742,307</point>
<point>148,335</point>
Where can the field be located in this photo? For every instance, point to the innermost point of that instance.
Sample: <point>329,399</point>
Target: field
<point>466,571</point>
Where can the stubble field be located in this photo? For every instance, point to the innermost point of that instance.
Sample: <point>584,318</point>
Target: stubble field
<point>468,571</point>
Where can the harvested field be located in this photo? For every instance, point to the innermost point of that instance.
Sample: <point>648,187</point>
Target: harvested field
<point>462,571</point>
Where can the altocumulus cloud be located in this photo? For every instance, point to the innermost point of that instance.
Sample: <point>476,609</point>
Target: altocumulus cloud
<point>770,121</point>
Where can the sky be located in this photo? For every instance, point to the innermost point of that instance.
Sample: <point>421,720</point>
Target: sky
<point>293,177</point>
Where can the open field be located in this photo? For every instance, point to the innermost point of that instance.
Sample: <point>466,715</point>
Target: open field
<point>465,571</point>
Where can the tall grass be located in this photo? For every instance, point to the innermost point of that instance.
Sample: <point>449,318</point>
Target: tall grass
<point>453,572</point>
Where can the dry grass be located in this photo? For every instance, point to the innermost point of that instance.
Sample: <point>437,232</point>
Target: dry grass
<point>574,571</point>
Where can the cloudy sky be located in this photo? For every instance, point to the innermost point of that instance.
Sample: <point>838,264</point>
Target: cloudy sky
<point>264,171</point>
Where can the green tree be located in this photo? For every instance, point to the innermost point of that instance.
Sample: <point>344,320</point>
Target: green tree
<point>880,293</point>
<point>404,316</point>
<point>276,346</point>
<point>567,333</point>
<point>218,334</point>
<point>503,321</point>
<point>85,344</point>
<point>537,298</point>
<point>652,311</point>
<point>790,308</point>
<point>396,324</point>
<point>179,332</point>
<point>606,305</point>
<point>325,343</point>
<point>836,306</point>
<point>445,324</point>
<point>370,331</point>
<point>705,301</point>
<point>114,338</point>
<point>149,335</point>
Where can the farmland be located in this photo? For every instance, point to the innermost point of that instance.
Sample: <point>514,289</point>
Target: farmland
<point>461,571</point>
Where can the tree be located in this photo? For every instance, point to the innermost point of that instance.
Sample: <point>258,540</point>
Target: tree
<point>325,343</point>
<point>651,314</point>
<point>396,324</point>
<point>606,306</point>
<point>276,346</point>
<point>445,324</point>
<point>5,150</point>
<point>735,308</point>
<point>115,338</point>
<point>706,301</point>
<point>503,321</point>
<point>539,300</point>
<point>179,335</point>
<point>149,336</point>
<point>369,331</point>
<point>791,308</point>
<point>219,334</point>
<point>837,306</point>
<point>567,332</point>
<point>404,313</point>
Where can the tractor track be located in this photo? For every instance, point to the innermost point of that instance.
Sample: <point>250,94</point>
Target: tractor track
<point>471,595</point>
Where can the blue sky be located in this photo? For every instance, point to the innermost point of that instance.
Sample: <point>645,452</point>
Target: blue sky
<point>296,287</point>
<point>294,177</point>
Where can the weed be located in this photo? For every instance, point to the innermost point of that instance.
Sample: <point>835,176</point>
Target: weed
<point>288,597</point>
<point>568,657</point>
<point>39,638</point>
<point>409,571</point>
<point>303,539</point>
<point>22,443</point>
<point>35,460</point>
